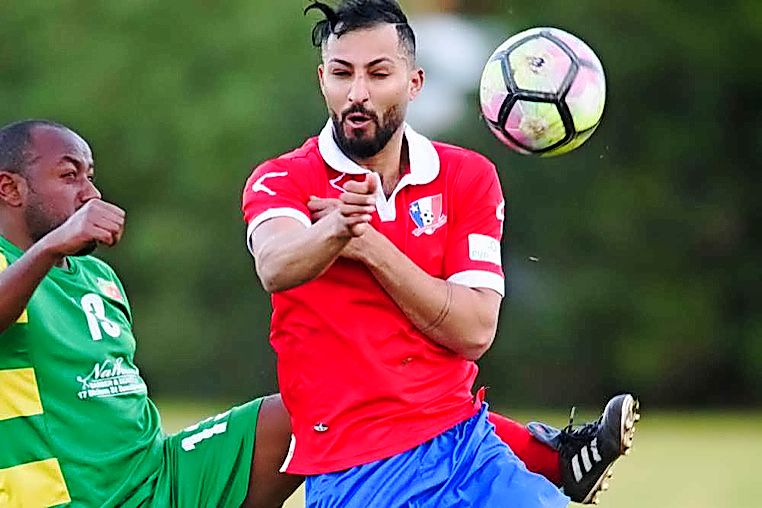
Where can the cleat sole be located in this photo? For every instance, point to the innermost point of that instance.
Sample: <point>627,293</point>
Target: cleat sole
<point>630,416</point>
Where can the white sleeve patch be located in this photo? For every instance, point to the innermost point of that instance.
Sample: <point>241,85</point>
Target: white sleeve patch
<point>484,248</point>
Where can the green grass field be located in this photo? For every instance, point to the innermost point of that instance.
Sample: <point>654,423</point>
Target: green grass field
<point>679,460</point>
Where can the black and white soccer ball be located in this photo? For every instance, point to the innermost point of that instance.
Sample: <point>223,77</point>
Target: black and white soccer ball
<point>542,92</point>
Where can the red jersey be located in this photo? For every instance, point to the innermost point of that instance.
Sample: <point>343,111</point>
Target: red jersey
<point>360,381</point>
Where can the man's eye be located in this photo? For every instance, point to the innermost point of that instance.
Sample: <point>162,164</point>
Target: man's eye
<point>91,178</point>
<point>341,73</point>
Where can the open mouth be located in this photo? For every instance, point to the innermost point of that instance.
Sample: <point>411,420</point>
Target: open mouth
<point>358,120</point>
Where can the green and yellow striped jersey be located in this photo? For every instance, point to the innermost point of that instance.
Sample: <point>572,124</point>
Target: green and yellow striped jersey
<point>76,425</point>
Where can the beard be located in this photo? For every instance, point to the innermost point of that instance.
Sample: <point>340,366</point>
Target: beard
<point>41,219</point>
<point>362,146</point>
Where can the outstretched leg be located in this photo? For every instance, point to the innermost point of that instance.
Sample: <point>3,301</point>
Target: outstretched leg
<point>538,456</point>
<point>578,459</point>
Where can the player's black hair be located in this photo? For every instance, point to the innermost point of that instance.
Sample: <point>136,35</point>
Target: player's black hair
<point>351,15</point>
<point>15,139</point>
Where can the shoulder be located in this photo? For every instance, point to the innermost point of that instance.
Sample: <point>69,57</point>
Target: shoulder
<point>102,279</point>
<point>284,182</point>
<point>301,160</point>
<point>463,164</point>
<point>96,266</point>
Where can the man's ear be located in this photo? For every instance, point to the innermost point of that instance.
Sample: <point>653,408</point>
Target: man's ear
<point>417,77</point>
<point>13,189</point>
<point>321,74</point>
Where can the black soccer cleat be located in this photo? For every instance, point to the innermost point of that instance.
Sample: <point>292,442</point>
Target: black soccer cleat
<point>588,452</point>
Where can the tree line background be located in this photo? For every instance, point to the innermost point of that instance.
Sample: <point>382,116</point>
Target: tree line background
<point>633,263</point>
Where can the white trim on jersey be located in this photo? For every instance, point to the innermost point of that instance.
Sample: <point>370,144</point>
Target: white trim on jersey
<point>271,214</point>
<point>424,166</point>
<point>289,455</point>
<point>479,279</point>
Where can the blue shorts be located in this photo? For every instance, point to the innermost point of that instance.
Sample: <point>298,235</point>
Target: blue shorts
<point>466,466</point>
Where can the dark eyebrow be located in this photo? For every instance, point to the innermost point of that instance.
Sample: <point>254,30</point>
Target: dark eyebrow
<point>340,62</point>
<point>380,61</point>
<point>377,61</point>
<point>76,162</point>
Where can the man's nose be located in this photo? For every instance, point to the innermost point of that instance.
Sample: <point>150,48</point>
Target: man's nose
<point>359,93</point>
<point>89,191</point>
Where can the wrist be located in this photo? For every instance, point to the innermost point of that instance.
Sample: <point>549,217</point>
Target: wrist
<point>331,233</point>
<point>372,255</point>
<point>47,249</point>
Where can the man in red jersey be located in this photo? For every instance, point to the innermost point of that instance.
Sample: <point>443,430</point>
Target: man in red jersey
<point>382,251</point>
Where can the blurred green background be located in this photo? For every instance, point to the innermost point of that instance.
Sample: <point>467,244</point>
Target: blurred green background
<point>645,244</point>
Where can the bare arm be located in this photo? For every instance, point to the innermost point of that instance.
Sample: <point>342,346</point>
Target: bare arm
<point>287,254</point>
<point>458,317</point>
<point>19,280</point>
<point>97,221</point>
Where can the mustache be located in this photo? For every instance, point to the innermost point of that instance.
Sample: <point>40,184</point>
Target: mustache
<point>358,108</point>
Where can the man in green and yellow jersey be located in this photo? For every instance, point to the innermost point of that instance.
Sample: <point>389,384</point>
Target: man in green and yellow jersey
<point>76,425</point>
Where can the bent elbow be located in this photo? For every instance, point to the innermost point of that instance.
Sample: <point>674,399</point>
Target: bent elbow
<point>474,353</point>
<point>479,346</point>
<point>273,283</point>
<point>270,285</point>
<point>270,280</point>
<point>482,339</point>
<point>271,274</point>
<point>280,280</point>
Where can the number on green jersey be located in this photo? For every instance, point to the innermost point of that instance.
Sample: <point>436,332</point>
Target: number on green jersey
<point>95,311</point>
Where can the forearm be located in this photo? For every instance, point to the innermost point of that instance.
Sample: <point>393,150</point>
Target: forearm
<point>19,280</point>
<point>454,316</point>
<point>298,255</point>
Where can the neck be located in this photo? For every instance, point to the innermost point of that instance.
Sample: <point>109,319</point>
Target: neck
<point>388,163</point>
<point>16,233</point>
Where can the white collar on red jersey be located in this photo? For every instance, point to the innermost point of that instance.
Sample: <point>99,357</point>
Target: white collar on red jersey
<point>424,159</point>
<point>424,165</point>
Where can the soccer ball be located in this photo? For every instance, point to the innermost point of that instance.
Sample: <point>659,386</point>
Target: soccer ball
<point>542,92</point>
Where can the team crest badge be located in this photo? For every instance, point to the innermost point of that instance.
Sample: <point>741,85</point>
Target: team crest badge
<point>110,289</point>
<point>427,215</point>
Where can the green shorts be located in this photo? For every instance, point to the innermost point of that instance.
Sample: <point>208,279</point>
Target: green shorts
<point>208,464</point>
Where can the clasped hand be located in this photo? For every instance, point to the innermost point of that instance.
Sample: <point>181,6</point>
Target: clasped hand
<point>96,222</point>
<point>353,210</point>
